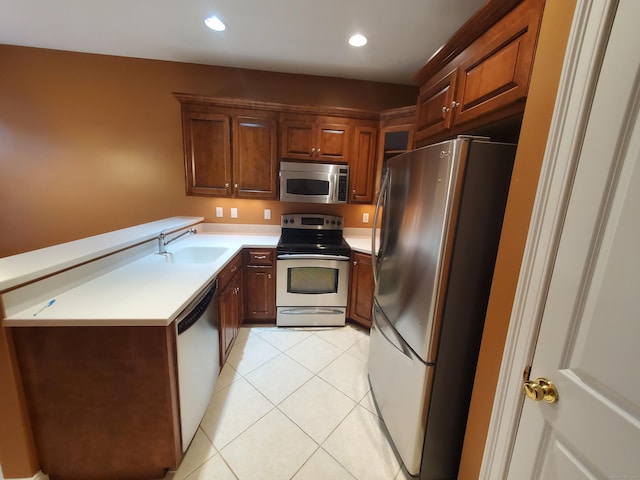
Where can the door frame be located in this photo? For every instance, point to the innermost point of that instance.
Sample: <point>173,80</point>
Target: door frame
<point>583,58</point>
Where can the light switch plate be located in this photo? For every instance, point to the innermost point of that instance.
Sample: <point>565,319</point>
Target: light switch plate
<point>267,214</point>
<point>365,217</point>
<point>219,212</point>
<point>234,213</point>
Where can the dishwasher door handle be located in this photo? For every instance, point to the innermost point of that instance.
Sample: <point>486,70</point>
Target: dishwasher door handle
<point>192,314</point>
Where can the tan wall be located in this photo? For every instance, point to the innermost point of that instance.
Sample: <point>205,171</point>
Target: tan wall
<point>554,33</point>
<point>92,143</point>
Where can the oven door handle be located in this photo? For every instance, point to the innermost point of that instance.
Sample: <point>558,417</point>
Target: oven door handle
<point>312,256</point>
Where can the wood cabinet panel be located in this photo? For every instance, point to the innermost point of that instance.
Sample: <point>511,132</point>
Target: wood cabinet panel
<point>315,138</point>
<point>103,401</point>
<point>260,293</point>
<point>255,161</point>
<point>362,288</point>
<point>487,81</point>
<point>434,105</point>
<point>260,285</point>
<point>362,165</point>
<point>495,71</point>
<point>230,306</point>
<point>207,153</point>
<point>333,142</point>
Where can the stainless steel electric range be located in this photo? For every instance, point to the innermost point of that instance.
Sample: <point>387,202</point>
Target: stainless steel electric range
<point>312,271</point>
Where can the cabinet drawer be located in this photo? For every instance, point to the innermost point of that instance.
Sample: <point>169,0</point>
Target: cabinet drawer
<point>229,271</point>
<point>259,257</point>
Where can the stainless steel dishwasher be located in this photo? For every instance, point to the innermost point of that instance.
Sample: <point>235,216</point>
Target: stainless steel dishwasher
<point>198,355</point>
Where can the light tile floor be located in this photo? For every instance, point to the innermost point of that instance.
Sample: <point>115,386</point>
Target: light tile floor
<point>292,404</point>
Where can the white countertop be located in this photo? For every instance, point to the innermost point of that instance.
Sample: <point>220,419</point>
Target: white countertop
<point>148,291</point>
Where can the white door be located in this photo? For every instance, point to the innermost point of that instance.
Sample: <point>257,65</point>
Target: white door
<point>589,339</point>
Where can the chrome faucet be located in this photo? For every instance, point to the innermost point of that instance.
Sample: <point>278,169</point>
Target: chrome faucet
<point>162,242</point>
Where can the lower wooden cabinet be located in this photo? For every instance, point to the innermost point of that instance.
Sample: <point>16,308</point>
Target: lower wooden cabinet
<point>102,401</point>
<point>230,305</point>
<point>361,289</point>
<point>260,285</point>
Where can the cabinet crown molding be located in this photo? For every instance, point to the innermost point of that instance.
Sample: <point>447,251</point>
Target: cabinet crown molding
<point>230,102</point>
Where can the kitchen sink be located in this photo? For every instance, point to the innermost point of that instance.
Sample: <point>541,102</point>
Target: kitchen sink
<point>195,255</point>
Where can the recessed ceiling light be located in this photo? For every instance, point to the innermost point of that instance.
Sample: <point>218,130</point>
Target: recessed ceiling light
<point>214,23</point>
<point>357,40</point>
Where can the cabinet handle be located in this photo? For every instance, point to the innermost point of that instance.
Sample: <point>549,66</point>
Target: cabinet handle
<point>355,263</point>
<point>454,104</point>
<point>234,268</point>
<point>235,185</point>
<point>318,151</point>
<point>353,195</point>
<point>313,150</point>
<point>259,257</point>
<point>269,276</point>
<point>445,110</point>
<point>226,185</point>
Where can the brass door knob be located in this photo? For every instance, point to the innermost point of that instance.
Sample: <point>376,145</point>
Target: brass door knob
<point>539,389</point>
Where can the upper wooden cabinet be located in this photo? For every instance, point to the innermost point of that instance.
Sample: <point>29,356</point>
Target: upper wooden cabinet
<point>207,151</point>
<point>229,152</point>
<point>362,164</point>
<point>255,161</point>
<point>486,81</point>
<point>316,138</point>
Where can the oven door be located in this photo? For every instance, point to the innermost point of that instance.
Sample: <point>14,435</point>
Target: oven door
<point>312,280</point>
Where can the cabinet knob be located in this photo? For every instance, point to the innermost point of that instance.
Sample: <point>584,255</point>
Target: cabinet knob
<point>235,185</point>
<point>269,276</point>
<point>355,263</point>
<point>313,150</point>
<point>318,151</point>
<point>226,185</point>
<point>445,110</point>
<point>353,195</point>
<point>454,104</point>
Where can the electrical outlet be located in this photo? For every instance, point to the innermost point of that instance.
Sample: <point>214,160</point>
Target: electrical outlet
<point>219,212</point>
<point>267,214</point>
<point>365,217</point>
<point>234,213</point>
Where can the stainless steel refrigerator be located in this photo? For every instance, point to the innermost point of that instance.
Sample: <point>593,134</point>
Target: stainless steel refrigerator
<point>442,208</point>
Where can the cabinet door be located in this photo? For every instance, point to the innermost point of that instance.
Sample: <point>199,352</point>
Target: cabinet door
<point>260,293</point>
<point>434,106</point>
<point>333,142</point>
<point>495,69</point>
<point>362,165</point>
<point>361,294</point>
<point>298,139</point>
<point>207,153</point>
<point>255,162</point>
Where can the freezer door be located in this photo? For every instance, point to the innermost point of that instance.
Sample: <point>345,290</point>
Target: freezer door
<point>401,386</point>
<point>420,190</point>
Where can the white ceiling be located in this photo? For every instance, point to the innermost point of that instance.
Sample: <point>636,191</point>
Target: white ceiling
<point>294,36</point>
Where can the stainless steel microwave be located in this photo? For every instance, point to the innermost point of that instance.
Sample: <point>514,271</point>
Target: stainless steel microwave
<point>313,182</point>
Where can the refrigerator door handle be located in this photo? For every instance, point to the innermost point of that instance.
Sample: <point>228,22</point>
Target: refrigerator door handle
<point>374,251</point>
<point>388,332</point>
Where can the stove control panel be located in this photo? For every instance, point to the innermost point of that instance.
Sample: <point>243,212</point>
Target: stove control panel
<point>312,221</point>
